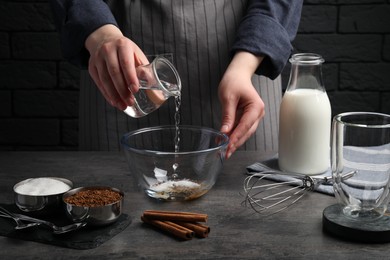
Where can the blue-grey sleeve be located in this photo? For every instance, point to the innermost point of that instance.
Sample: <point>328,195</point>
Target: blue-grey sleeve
<point>75,20</point>
<point>267,29</point>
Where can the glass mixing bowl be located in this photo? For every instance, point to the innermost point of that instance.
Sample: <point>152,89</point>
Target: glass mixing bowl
<point>175,163</point>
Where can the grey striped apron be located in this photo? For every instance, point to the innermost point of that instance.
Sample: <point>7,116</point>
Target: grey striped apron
<point>197,35</point>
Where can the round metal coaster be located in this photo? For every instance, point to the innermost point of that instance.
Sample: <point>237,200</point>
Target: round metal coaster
<point>336,223</point>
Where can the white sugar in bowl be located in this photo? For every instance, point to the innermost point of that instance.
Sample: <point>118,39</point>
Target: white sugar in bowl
<point>41,195</point>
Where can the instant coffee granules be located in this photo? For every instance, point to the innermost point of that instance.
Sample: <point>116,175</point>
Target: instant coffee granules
<point>93,197</point>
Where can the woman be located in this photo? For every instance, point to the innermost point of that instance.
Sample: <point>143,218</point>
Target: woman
<point>219,47</point>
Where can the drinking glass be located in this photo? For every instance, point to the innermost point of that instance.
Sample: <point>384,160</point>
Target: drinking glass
<point>360,155</point>
<point>158,81</point>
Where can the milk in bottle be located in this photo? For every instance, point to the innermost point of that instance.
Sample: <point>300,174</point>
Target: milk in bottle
<point>305,119</point>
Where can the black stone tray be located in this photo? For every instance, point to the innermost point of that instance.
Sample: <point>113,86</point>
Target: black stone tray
<point>336,223</point>
<point>84,238</point>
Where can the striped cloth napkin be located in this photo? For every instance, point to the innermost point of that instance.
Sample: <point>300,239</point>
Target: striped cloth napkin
<point>275,174</point>
<point>371,163</point>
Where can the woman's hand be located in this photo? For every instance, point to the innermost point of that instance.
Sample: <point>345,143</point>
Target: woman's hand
<point>242,107</point>
<point>112,63</point>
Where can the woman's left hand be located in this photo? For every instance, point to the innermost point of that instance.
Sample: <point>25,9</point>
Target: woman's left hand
<point>242,107</point>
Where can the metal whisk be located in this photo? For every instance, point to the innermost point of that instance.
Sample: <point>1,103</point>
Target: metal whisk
<point>267,197</point>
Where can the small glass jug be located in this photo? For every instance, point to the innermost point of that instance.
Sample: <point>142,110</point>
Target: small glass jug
<point>158,81</point>
<point>305,118</point>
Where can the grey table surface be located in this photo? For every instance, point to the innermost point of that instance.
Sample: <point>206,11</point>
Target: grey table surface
<point>236,232</point>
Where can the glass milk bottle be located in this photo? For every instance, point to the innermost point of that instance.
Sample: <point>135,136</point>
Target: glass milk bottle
<point>305,118</point>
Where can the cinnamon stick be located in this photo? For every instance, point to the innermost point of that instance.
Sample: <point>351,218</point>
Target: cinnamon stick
<point>199,229</point>
<point>175,216</point>
<point>173,228</point>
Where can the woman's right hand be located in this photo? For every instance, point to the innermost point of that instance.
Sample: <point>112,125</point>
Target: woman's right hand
<point>112,63</point>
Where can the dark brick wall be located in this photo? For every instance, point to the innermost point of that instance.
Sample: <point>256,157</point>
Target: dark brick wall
<point>39,91</point>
